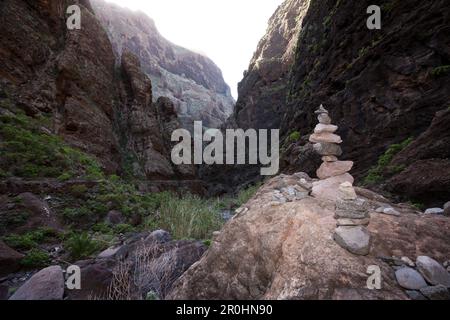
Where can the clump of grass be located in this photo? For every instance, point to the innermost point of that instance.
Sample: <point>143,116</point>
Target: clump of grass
<point>375,174</point>
<point>245,194</point>
<point>188,217</point>
<point>36,258</point>
<point>81,245</point>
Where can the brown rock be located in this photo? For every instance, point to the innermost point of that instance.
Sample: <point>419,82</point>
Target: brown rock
<point>9,259</point>
<point>345,222</point>
<point>329,158</point>
<point>325,128</point>
<point>287,252</point>
<point>332,169</point>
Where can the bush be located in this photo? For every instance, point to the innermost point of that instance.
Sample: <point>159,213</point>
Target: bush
<point>81,246</point>
<point>247,194</point>
<point>36,258</point>
<point>294,136</point>
<point>376,173</point>
<point>188,217</point>
<point>440,71</point>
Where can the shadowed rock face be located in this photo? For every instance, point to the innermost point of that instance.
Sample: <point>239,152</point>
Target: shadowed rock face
<point>262,91</point>
<point>192,81</point>
<point>103,108</point>
<point>380,86</point>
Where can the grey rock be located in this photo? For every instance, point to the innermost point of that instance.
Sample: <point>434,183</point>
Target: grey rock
<point>321,110</point>
<point>352,209</point>
<point>47,284</point>
<point>324,118</point>
<point>328,149</point>
<point>410,279</point>
<point>391,212</point>
<point>434,211</point>
<point>432,271</point>
<point>415,295</point>
<point>447,209</point>
<point>408,262</point>
<point>438,292</point>
<point>9,259</point>
<point>354,239</point>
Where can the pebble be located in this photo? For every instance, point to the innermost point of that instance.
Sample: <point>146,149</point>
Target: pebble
<point>354,239</point>
<point>432,271</point>
<point>409,278</point>
<point>438,292</point>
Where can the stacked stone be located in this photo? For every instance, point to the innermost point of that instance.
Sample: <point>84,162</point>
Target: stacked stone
<point>326,143</point>
<point>352,213</point>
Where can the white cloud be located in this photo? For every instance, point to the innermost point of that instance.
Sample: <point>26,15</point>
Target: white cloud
<point>227,31</point>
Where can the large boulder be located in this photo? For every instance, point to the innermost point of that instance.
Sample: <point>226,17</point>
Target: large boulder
<point>287,251</point>
<point>9,259</point>
<point>47,284</point>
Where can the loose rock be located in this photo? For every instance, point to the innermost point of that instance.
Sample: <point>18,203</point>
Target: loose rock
<point>333,169</point>
<point>447,209</point>
<point>436,293</point>
<point>328,149</point>
<point>434,211</point>
<point>410,279</point>
<point>432,271</point>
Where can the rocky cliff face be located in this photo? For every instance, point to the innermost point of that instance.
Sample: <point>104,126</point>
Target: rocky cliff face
<point>192,81</point>
<point>262,91</point>
<point>382,86</point>
<point>71,78</point>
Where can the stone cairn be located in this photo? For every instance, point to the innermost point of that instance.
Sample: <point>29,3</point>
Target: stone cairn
<point>352,213</point>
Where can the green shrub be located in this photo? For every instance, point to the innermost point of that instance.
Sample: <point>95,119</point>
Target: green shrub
<point>36,258</point>
<point>31,239</point>
<point>27,151</point>
<point>440,71</point>
<point>294,136</point>
<point>188,217</point>
<point>375,174</point>
<point>78,190</point>
<point>123,228</point>
<point>81,245</point>
<point>247,194</point>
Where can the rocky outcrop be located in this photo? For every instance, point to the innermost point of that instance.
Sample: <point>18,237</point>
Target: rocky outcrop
<point>71,78</point>
<point>381,87</point>
<point>9,259</point>
<point>192,81</point>
<point>262,91</point>
<point>274,249</point>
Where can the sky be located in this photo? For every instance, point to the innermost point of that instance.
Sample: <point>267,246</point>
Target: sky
<point>227,31</point>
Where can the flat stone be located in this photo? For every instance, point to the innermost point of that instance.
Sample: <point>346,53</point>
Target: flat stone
<point>324,118</point>
<point>333,169</point>
<point>347,191</point>
<point>391,212</point>
<point>325,137</point>
<point>436,292</point>
<point>354,239</point>
<point>47,284</point>
<point>345,222</point>
<point>432,271</point>
<point>415,295</point>
<point>351,209</point>
<point>434,211</point>
<point>321,110</point>
<point>447,209</point>
<point>329,158</point>
<point>328,149</point>
<point>322,128</point>
<point>328,189</point>
<point>409,278</point>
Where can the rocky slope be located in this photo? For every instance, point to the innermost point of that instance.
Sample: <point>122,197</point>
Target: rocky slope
<point>280,246</point>
<point>382,86</point>
<point>192,81</point>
